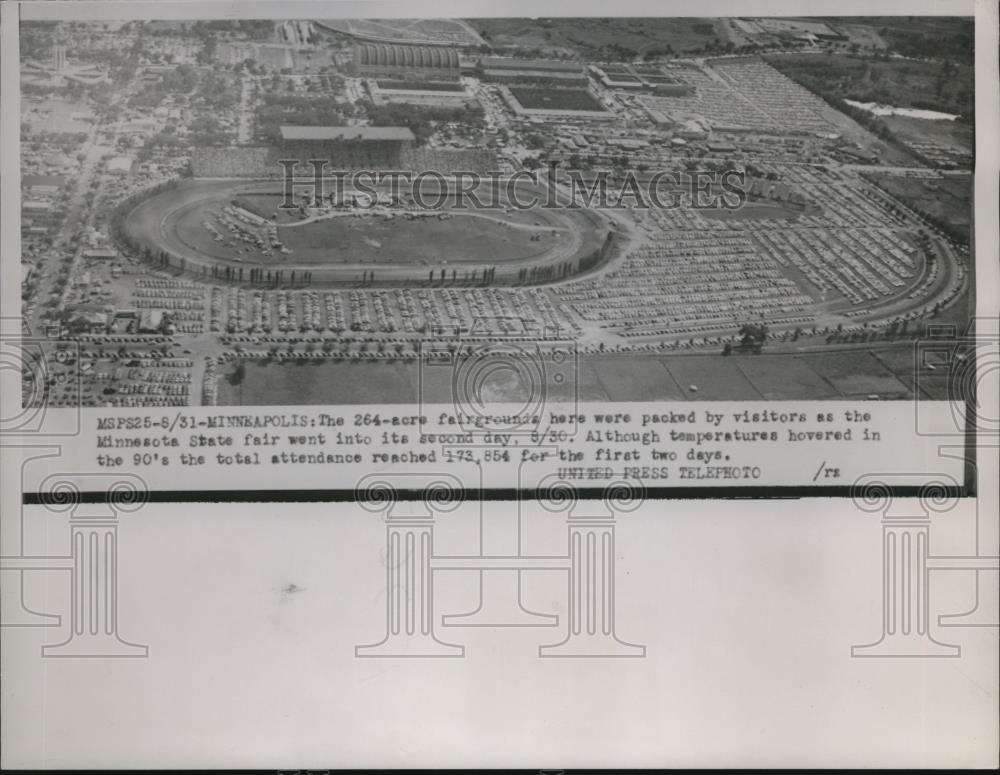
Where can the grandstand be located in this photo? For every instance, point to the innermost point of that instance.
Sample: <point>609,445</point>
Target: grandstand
<point>420,63</point>
<point>347,147</point>
<point>264,161</point>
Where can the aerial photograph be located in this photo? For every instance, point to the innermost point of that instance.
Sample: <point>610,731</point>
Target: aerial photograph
<point>348,212</point>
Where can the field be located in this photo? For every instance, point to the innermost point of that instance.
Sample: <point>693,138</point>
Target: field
<point>427,241</point>
<point>428,31</point>
<point>944,87</point>
<point>54,116</point>
<point>856,373</point>
<point>555,99</point>
<point>622,39</point>
<point>947,199</point>
<point>955,136</point>
<point>920,37</point>
<point>374,239</point>
<point>272,56</point>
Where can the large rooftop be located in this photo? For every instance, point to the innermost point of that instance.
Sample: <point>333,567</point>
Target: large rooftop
<point>391,55</point>
<point>346,133</point>
<point>554,65</point>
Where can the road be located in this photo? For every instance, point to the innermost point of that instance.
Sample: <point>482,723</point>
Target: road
<point>245,110</point>
<point>77,218</point>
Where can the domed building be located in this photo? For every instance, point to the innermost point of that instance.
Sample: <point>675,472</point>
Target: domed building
<point>399,62</point>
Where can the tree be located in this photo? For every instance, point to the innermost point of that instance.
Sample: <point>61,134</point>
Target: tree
<point>239,374</point>
<point>753,336</point>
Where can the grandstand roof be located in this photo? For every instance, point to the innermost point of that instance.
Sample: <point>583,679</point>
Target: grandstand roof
<point>364,133</point>
<point>30,181</point>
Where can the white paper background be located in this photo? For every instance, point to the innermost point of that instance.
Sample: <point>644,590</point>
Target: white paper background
<point>747,609</point>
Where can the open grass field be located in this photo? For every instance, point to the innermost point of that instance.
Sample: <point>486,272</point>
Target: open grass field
<point>902,83</point>
<point>920,37</point>
<point>592,37</point>
<point>949,199</point>
<point>957,136</point>
<point>427,241</point>
<point>413,31</point>
<point>54,116</point>
<point>857,373</point>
